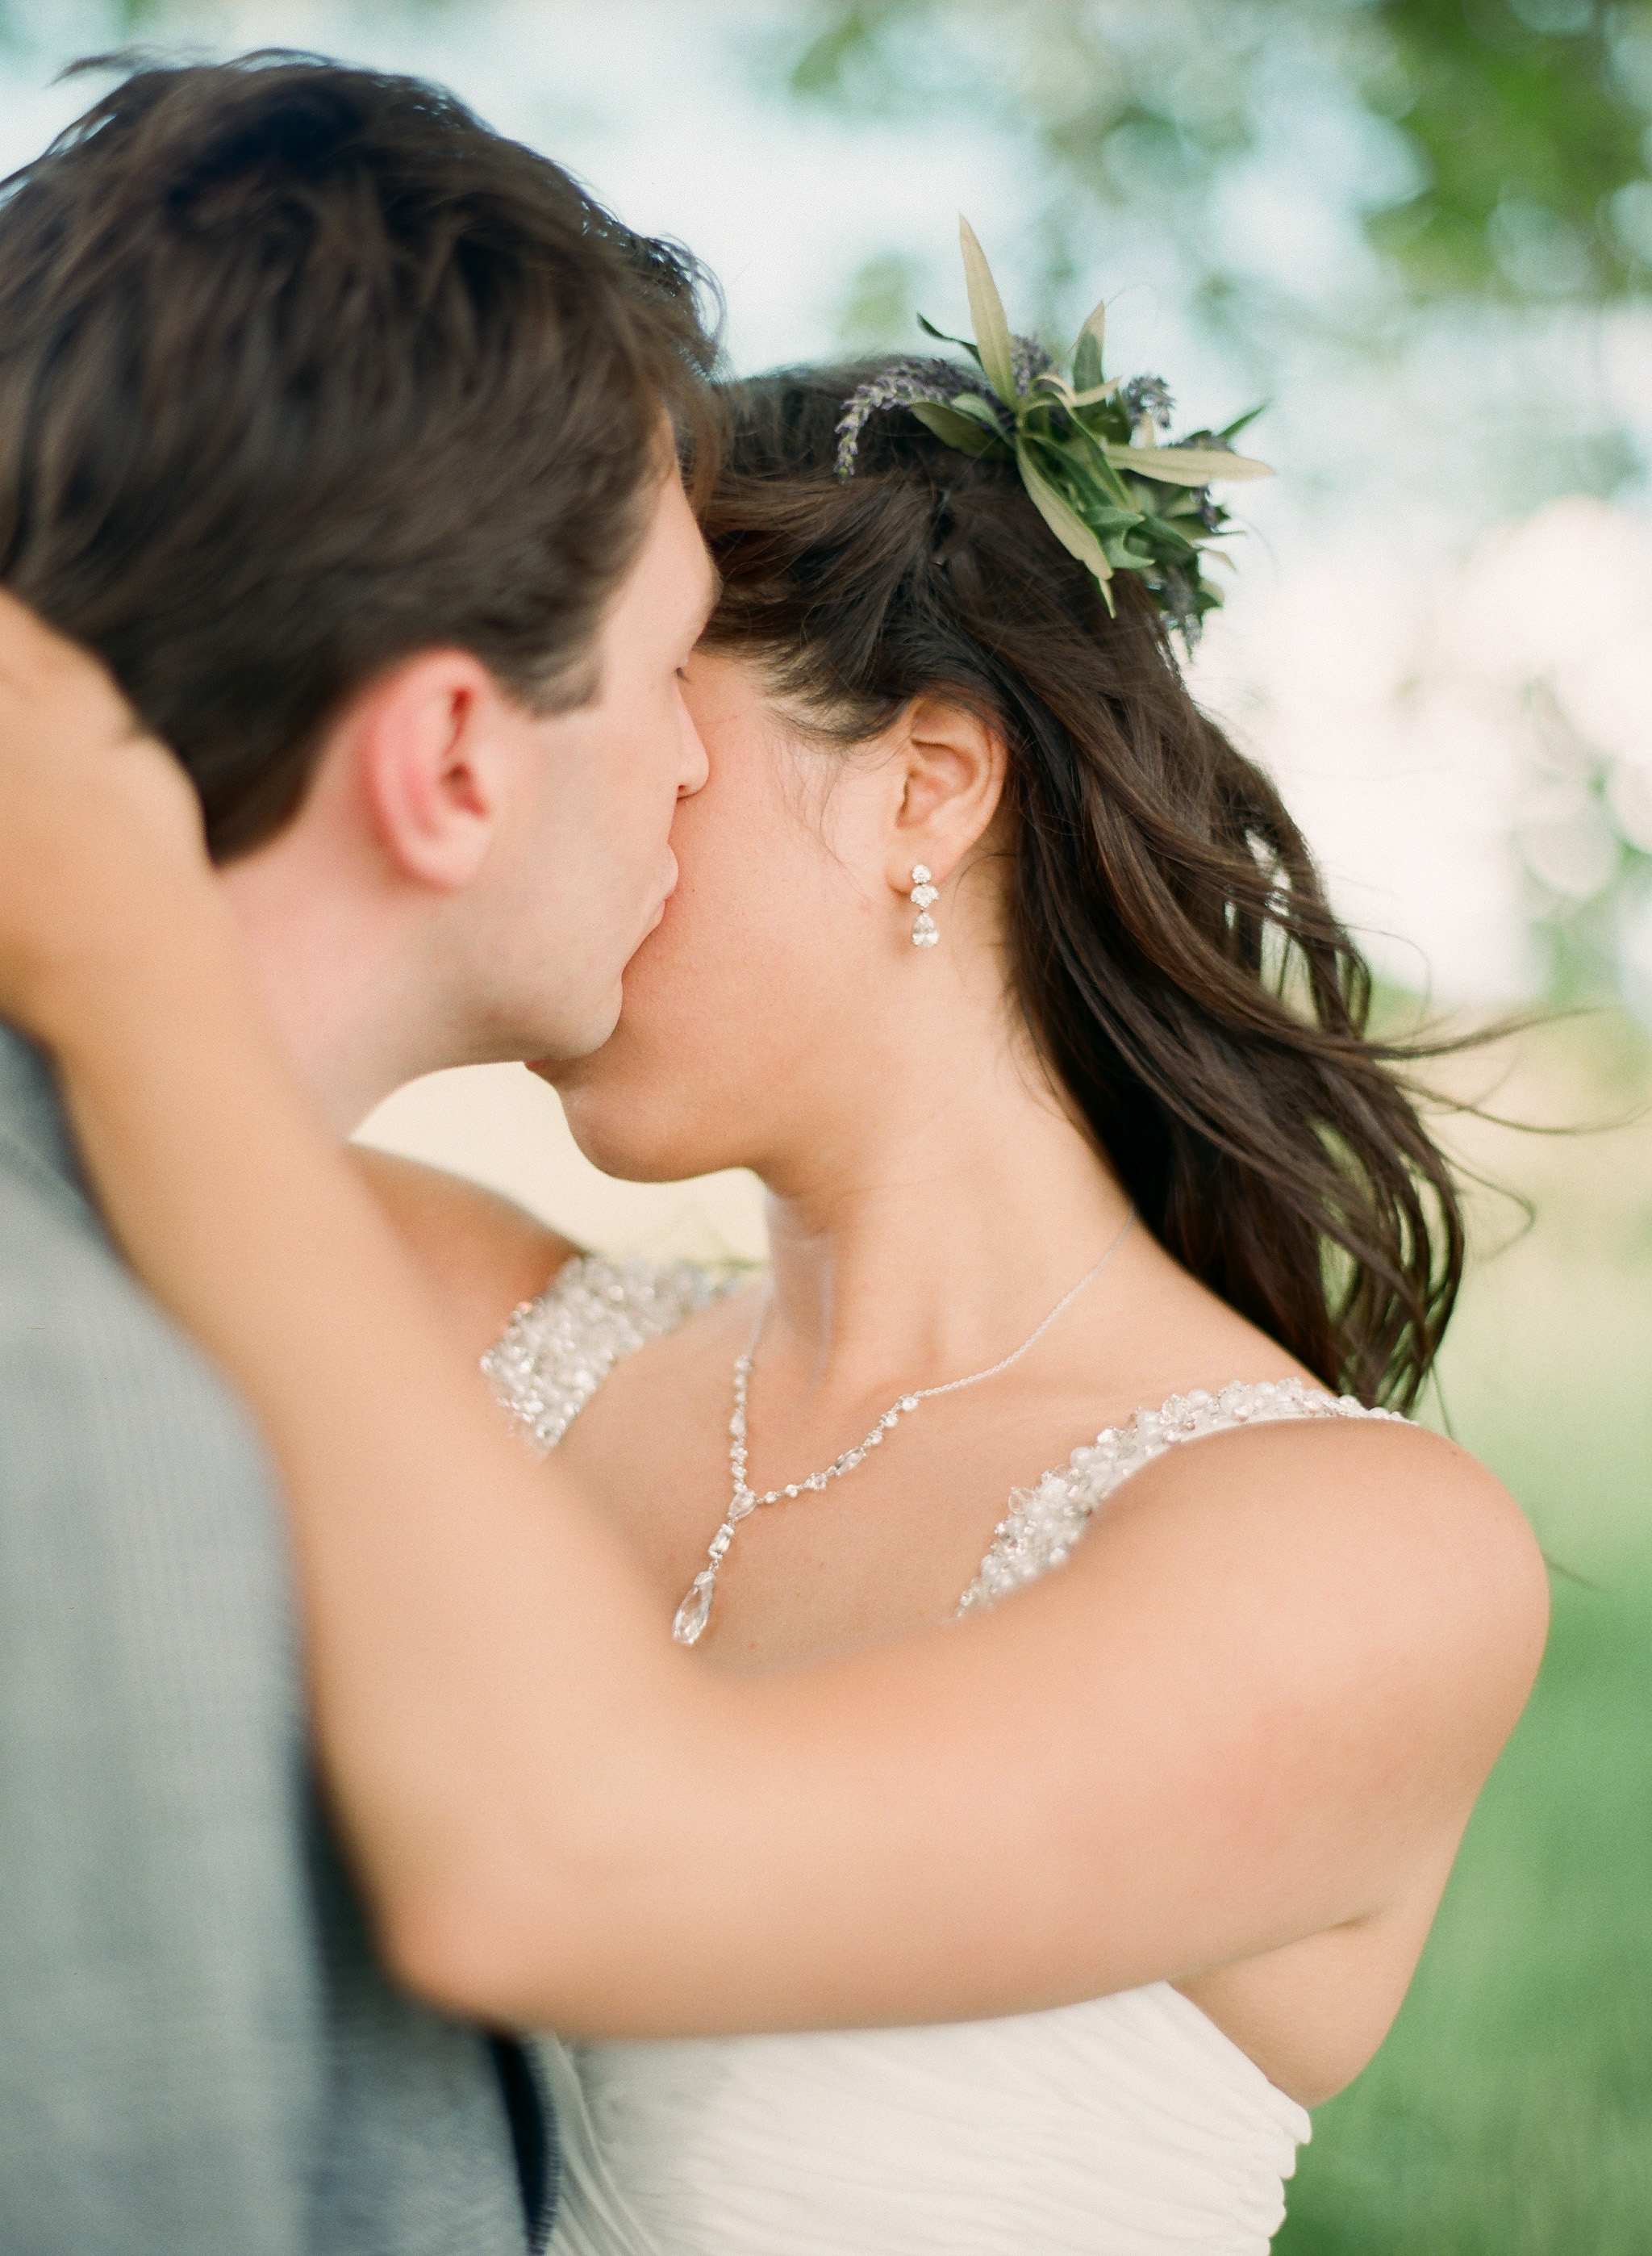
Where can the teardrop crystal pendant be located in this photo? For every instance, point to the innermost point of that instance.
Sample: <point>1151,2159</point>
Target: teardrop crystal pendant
<point>925,932</point>
<point>688,1626</point>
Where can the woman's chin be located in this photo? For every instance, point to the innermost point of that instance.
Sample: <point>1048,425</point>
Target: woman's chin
<point>624,1142</point>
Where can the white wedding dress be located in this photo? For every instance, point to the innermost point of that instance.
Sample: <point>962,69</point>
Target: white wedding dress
<point>1127,2125</point>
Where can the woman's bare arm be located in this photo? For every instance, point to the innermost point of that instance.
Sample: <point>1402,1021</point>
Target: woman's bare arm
<point>482,1253</point>
<point>1256,1704</point>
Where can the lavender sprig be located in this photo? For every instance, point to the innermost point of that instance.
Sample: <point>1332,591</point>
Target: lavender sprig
<point>897,386</point>
<point>1028,359</point>
<point>1107,498</point>
<point>1147,399</point>
<point>1178,602</point>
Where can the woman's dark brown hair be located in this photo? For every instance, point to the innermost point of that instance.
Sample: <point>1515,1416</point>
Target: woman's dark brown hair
<point>1173,952</point>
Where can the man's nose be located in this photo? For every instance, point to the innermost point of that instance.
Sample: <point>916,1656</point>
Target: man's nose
<point>696,766</point>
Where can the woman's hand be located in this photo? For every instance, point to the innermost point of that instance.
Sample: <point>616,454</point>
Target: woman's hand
<point>102,852</point>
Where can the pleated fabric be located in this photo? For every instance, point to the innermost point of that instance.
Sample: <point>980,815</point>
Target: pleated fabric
<point>1128,2125</point>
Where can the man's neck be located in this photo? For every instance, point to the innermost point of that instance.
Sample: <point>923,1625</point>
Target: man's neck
<point>330,960</point>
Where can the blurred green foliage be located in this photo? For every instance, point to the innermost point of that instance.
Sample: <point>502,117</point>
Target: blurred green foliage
<point>1502,155</point>
<point>1528,119</point>
<point>1510,2111</point>
<point>1495,155</point>
<point>91,26</point>
<point>1503,149</point>
<point>879,302</point>
<point>1510,141</point>
<point>108,21</point>
<point>1512,138</point>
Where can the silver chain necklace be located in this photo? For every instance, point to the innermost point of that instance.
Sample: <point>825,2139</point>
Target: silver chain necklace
<point>688,1626</point>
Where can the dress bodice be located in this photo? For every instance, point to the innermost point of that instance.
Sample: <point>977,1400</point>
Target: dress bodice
<point>1123,2125</point>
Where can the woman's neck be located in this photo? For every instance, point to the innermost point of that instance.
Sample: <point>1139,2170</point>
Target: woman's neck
<point>924,1233</point>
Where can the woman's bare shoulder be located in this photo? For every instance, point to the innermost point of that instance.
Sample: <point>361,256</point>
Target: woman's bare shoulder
<point>1354,1535</point>
<point>484,1254</point>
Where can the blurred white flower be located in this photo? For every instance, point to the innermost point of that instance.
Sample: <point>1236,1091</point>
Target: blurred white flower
<point>1608,698</point>
<point>1551,620</point>
<point>1629,796</point>
<point>1554,594</point>
<point>1459,746</point>
<point>1567,842</point>
<point>1635,954</point>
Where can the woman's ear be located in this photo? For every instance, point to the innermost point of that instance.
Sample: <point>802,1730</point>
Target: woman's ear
<point>436,750</point>
<point>953,764</point>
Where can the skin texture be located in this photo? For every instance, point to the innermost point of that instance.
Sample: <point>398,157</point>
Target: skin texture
<point>1232,1743</point>
<point>484,1254</point>
<point>436,900</point>
<point>929,1198</point>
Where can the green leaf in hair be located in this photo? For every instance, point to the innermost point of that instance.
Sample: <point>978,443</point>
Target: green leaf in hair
<point>1087,449</point>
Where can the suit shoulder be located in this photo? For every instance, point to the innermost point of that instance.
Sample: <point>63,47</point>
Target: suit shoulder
<point>97,1382</point>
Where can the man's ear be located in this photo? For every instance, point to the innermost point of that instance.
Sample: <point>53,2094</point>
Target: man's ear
<point>953,764</point>
<point>437,748</point>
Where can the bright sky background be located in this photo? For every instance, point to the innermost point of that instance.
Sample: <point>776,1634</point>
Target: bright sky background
<point>1408,756</point>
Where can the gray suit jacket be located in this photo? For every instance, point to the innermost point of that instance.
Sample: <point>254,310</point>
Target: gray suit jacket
<point>199,2056</point>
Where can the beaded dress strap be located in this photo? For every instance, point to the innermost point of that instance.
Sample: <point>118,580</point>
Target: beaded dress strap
<point>557,1350</point>
<point>1044,1521</point>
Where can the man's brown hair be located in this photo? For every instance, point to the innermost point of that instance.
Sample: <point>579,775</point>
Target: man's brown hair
<point>303,369</point>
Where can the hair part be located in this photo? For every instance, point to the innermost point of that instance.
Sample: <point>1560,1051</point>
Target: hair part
<point>304,368</point>
<point>1174,956</point>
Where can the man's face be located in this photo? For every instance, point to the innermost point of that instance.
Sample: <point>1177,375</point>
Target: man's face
<point>583,877</point>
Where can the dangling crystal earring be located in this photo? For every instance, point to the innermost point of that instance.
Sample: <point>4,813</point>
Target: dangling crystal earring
<point>925,930</point>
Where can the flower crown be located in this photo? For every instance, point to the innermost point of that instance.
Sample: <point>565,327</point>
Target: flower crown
<point>1087,450</point>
